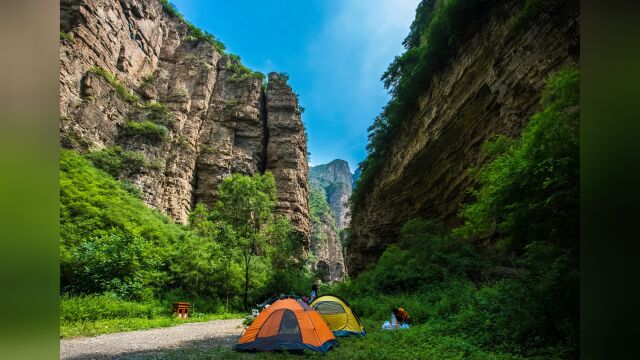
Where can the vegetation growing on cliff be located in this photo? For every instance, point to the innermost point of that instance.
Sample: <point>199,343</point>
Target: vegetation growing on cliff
<point>520,297</point>
<point>193,32</point>
<point>120,163</point>
<point>120,88</point>
<point>530,192</point>
<point>111,243</point>
<point>437,32</point>
<point>145,128</point>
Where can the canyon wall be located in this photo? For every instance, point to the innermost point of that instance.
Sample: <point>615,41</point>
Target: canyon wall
<point>491,86</point>
<point>135,75</point>
<point>331,188</point>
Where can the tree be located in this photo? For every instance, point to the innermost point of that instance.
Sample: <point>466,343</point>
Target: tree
<point>246,204</point>
<point>286,246</point>
<point>222,235</point>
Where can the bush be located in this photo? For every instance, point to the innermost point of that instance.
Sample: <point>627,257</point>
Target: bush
<point>94,206</point>
<point>67,37</point>
<point>120,88</point>
<point>108,306</point>
<point>159,113</point>
<point>530,191</point>
<point>118,162</point>
<point>193,32</point>
<point>145,128</point>
<point>241,72</point>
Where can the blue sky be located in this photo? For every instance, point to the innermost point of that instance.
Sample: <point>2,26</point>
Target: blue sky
<point>334,51</point>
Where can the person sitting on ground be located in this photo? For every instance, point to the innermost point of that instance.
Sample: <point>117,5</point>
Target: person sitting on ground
<point>400,318</point>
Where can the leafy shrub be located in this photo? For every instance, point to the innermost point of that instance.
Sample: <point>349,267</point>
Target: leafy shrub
<point>193,32</point>
<point>530,191</point>
<point>116,262</point>
<point>67,37</point>
<point>145,128</point>
<point>159,113</point>
<point>107,306</point>
<point>241,72</point>
<point>93,205</point>
<point>117,162</point>
<point>120,88</point>
<point>131,188</point>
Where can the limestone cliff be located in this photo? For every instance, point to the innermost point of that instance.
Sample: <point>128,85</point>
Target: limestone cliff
<point>326,244</point>
<point>491,86</point>
<point>336,179</point>
<point>330,191</point>
<point>134,74</point>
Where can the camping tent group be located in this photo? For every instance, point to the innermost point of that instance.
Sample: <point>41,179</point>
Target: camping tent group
<point>290,324</point>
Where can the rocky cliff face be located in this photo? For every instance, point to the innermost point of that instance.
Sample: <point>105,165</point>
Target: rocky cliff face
<point>491,87</point>
<point>336,179</point>
<point>331,184</point>
<point>326,244</point>
<point>134,75</point>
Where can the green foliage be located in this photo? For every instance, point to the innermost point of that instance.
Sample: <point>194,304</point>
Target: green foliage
<point>131,188</point>
<point>101,314</point>
<point>530,191</point>
<point>193,32</point>
<point>440,27</point>
<point>241,72</point>
<point>120,88</point>
<point>119,163</point>
<point>146,128</point>
<point>159,113</point>
<point>320,209</point>
<point>67,37</point>
<point>527,199</point>
<point>107,306</point>
<point>433,276</point>
<point>109,240</point>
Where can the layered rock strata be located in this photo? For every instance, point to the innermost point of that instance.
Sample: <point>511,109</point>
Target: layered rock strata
<point>492,86</point>
<point>130,68</point>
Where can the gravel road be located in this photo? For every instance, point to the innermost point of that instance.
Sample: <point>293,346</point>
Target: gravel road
<point>132,343</point>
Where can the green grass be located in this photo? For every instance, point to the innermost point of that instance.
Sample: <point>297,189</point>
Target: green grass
<point>419,342</point>
<point>67,36</point>
<point>146,128</point>
<point>120,88</point>
<point>106,326</point>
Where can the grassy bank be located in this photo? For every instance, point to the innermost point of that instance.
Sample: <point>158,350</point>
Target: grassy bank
<point>104,314</point>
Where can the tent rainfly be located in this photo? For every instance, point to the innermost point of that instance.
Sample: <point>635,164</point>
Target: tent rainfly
<point>337,313</point>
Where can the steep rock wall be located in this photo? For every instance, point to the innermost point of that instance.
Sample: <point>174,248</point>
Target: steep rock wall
<point>326,244</point>
<point>217,115</point>
<point>336,179</point>
<point>491,87</point>
<point>332,184</point>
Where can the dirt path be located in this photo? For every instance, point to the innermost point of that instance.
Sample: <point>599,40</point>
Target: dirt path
<point>132,343</point>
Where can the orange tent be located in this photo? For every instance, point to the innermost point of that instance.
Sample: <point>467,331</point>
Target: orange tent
<point>288,324</point>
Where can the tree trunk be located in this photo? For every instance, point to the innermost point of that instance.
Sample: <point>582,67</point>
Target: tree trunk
<point>246,284</point>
